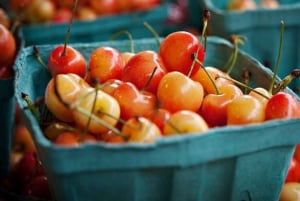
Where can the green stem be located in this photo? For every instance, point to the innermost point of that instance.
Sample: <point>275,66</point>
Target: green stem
<point>278,58</point>
<point>208,75</point>
<point>114,36</point>
<point>69,29</point>
<point>243,85</point>
<point>150,28</point>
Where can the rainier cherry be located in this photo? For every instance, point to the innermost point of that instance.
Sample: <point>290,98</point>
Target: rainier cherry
<point>105,63</point>
<point>140,129</point>
<point>66,59</point>
<point>60,92</point>
<point>7,46</point>
<point>177,92</point>
<point>95,110</point>
<point>214,106</point>
<point>282,105</point>
<point>176,51</point>
<point>184,122</point>
<point>132,101</point>
<point>139,70</point>
<point>245,109</point>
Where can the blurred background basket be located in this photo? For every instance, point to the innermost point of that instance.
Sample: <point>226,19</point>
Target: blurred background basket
<point>100,29</point>
<point>230,163</point>
<point>262,29</point>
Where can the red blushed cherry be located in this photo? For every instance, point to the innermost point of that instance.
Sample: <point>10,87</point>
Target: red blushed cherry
<point>104,7</point>
<point>176,51</point>
<point>6,72</point>
<point>143,67</point>
<point>160,117</point>
<point>132,101</point>
<point>7,46</point>
<point>38,187</point>
<point>62,15</point>
<point>282,105</point>
<point>27,168</point>
<point>293,174</point>
<point>105,63</point>
<point>63,60</point>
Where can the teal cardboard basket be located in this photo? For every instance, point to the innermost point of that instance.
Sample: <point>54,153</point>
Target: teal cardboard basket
<point>262,30</point>
<point>7,112</point>
<point>100,29</point>
<point>230,163</point>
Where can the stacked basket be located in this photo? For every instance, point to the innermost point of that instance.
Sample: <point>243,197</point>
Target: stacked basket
<point>261,27</point>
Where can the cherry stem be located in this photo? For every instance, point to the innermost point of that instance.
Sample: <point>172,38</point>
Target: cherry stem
<point>65,127</point>
<point>242,85</point>
<point>237,40</point>
<point>151,29</point>
<point>208,75</point>
<point>278,57</point>
<point>149,80</point>
<point>174,127</point>
<point>30,105</point>
<point>39,58</point>
<point>246,75</point>
<point>115,35</point>
<point>69,29</point>
<point>206,17</point>
<point>92,109</point>
<point>287,80</point>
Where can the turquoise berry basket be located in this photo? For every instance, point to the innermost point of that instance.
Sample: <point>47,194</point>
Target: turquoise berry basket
<point>262,30</point>
<point>228,163</point>
<point>100,29</point>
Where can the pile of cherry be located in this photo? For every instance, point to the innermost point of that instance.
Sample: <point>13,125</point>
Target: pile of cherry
<point>57,11</point>
<point>123,97</point>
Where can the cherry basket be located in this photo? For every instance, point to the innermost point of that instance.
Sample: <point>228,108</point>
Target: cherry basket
<point>261,27</point>
<point>226,163</point>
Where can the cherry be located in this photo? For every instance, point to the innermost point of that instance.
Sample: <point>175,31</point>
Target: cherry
<point>61,91</point>
<point>293,173</point>
<point>245,109</point>
<point>185,122</point>
<point>209,82</point>
<point>159,116</point>
<point>141,130</point>
<point>105,63</point>
<point>73,139</point>
<point>6,72</point>
<point>144,4</point>
<point>28,167</point>
<point>282,105</point>
<point>66,59</point>
<point>86,13</point>
<point>214,106</point>
<point>176,50</point>
<point>62,15</point>
<point>95,111</point>
<point>177,92</point>
<point>139,70</point>
<point>241,5</point>
<point>4,18</point>
<point>104,7</point>
<point>290,191</point>
<point>132,101</point>
<point>8,47</point>
<point>63,60</point>
<point>38,187</point>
